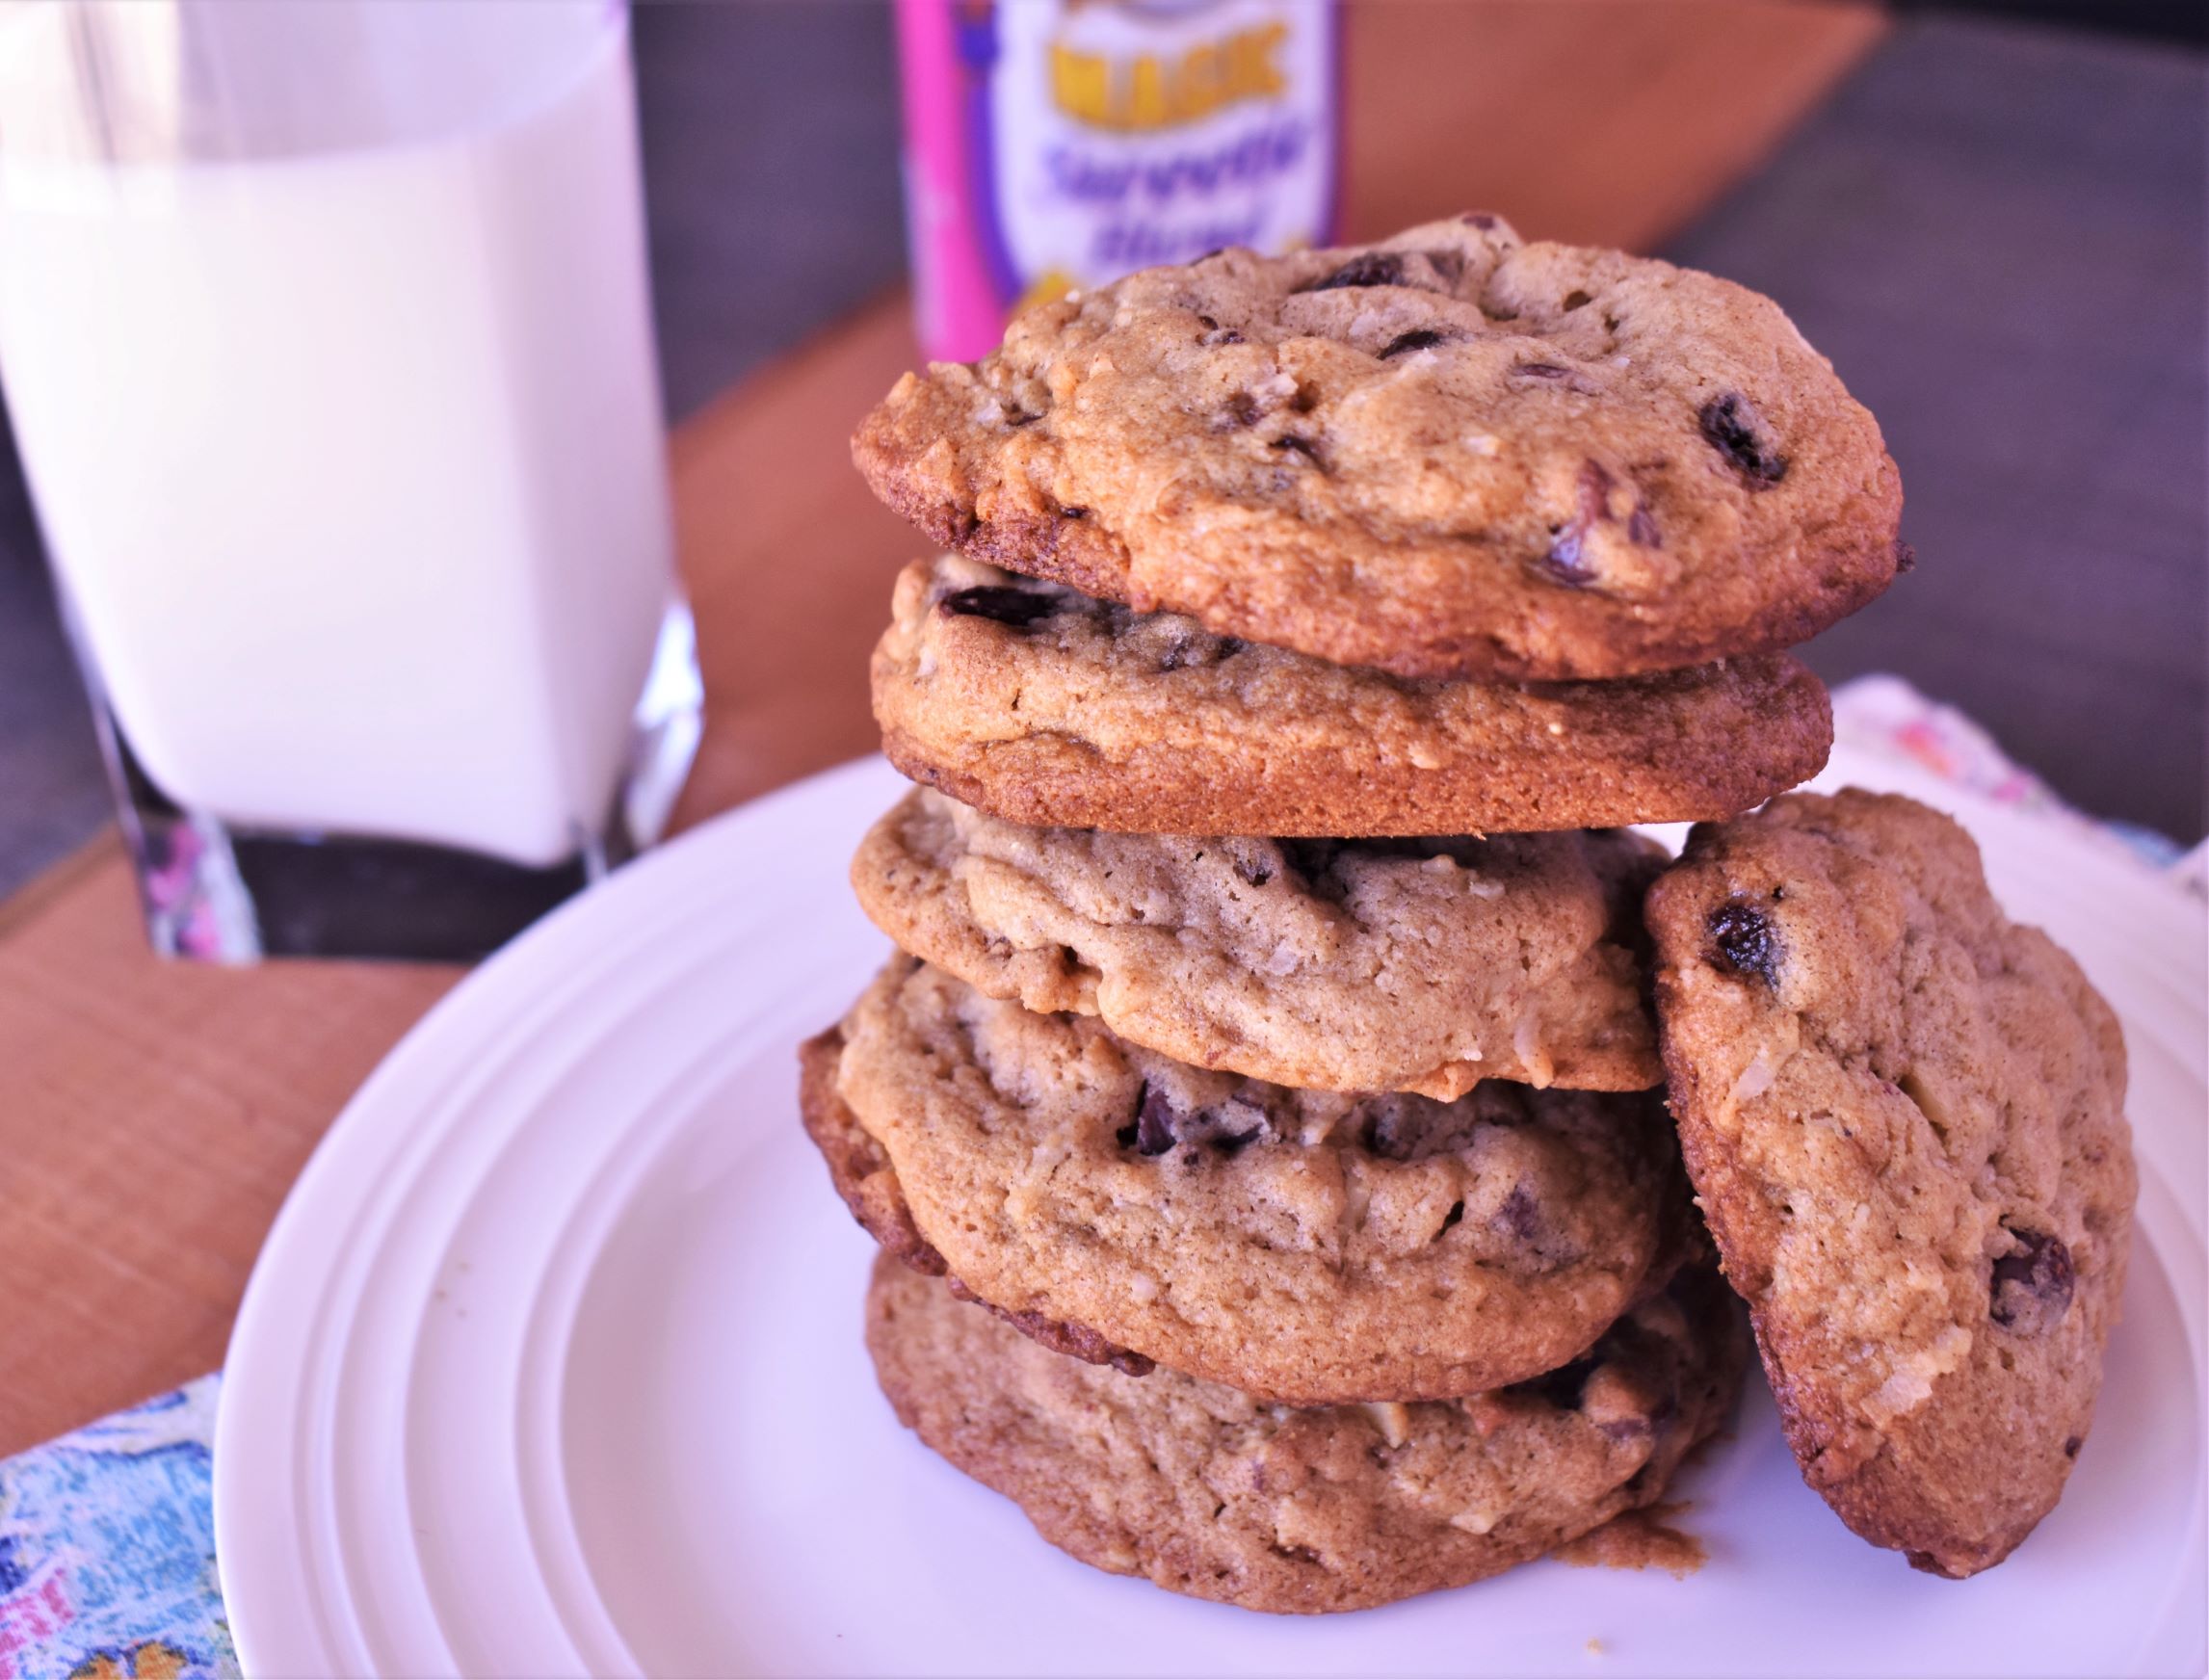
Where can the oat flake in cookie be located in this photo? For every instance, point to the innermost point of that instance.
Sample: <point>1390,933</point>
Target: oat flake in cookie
<point>1448,455</point>
<point>1902,1113</point>
<point>1306,1246</point>
<point>1423,966</point>
<point>1045,706</point>
<point>1209,1492</point>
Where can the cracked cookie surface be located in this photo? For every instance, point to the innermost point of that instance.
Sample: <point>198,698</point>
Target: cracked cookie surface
<point>1902,1113</point>
<point>1206,1491</point>
<point>1045,706</point>
<point>1308,1247</point>
<point>1421,965</point>
<point>1451,454</point>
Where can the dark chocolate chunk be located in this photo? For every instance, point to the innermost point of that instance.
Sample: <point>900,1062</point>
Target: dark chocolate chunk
<point>1307,447</point>
<point>1745,942</point>
<point>1151,1131</point>
<point>1568,561</point>
<point>1520,1216</point>
<point>2031,1289</point>
<point>1373,268</point>
<point>1418,338</point>
<point>1575,300</point>
<point>1005,603</point>
<point>1732,426</point>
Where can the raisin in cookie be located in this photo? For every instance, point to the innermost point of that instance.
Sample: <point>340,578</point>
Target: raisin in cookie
<point>1447,455</point>
<point>1209,1492</point>
<point>1042,705</point>
<point>1423,966</point>
<point>1306,1246</point>
<point>1903,1115</point>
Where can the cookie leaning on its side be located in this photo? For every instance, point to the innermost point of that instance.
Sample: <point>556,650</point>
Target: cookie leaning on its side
<point>1450,454</point>
<point>1904,1118</point>
<point>1048,707</point>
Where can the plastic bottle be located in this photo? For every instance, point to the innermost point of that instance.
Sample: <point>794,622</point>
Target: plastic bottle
<point>1059,144</point>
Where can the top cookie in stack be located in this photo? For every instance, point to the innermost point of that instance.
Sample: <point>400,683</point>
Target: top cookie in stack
<point>1448,455</point>
<point>1319,506</point>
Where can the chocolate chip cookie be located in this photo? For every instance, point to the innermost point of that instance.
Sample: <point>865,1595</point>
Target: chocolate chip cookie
<point>1451,453</point>
<point>1903,1116</point>
<point>1421,965</point>
<point>1209,1492</point>
<point>1306,1246</point>
<point>1046,706</point>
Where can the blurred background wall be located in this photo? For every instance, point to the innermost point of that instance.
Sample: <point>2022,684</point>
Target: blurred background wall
<point>1994,228</point>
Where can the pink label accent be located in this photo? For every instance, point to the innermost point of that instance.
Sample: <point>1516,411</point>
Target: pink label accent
<point>32,1617</point>
<point>957,309</point>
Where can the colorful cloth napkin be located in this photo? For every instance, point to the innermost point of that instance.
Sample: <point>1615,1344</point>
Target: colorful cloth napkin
<point>107,1550</point>
<point>107,1537</point>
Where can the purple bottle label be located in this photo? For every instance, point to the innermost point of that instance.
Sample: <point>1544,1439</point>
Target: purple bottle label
<point>1059,144</point>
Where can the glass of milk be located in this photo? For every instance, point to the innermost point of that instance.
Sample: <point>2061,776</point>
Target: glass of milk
<point>326,333</point>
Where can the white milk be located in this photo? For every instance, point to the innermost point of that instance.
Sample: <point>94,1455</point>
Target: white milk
<point>351,464</point>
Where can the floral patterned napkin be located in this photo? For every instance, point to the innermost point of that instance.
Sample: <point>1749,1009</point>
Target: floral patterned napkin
<point>107,1536</point>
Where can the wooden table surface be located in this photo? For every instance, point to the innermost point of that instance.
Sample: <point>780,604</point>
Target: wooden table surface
<point>154,1115</point>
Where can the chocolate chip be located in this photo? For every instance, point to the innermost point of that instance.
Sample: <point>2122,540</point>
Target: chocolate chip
<point>1229,646</point>
<point>1745,942</point>
<point>1457,1212</point>
<point>2031,1289</point>
<point>1732,427</point>
<point>1242,409</point>
<point>1151,1131</point>
<point>1576,301</point>
<point>2071,1446</point>
<point>1562,1388</point>
<point>1520,1215</point>
<point>1303,446</point>
<point>1568,561</point>
<point>1484,222</point>
<point>1004,603</point>
<point>1219,336</point>
<point>1374,268</point>
<point>1017,417</point>
<point>1448,264</point>
<point>1418,338</point>
<point>1210,325</point>
<point>1231,1142</point>
<point>1074,513</point>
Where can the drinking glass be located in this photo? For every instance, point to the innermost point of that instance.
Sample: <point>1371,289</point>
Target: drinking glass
<point>326,334</point>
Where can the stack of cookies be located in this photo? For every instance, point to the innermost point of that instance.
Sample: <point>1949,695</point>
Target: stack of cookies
<point>1264,1119</point>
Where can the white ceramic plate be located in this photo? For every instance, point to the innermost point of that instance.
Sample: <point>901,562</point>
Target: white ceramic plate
<point>552,1362</point>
